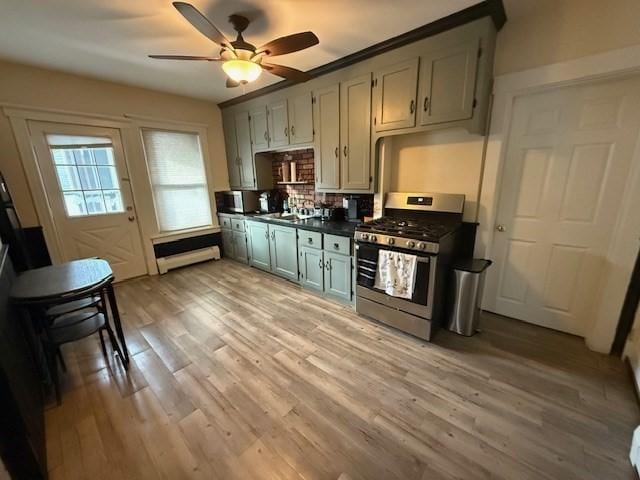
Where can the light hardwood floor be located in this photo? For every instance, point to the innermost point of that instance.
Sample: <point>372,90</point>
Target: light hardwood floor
<point>236,374</point>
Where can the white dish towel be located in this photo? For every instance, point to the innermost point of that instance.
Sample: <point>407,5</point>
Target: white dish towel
<point>396,273</point>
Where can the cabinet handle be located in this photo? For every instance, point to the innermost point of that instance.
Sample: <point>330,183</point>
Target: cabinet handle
<point>266,138</point>
<point>336,246</point>
<point>320,264</point>
<point>425,105</point>
<point>412,106</point>
<point>344,150</point>
<point>293,130</point>
<point>310,240</point>
<point>336,152</point>
<point>273,235</point>
<point>328,265</point>
<point>266,235</point>
<point>286,131</point>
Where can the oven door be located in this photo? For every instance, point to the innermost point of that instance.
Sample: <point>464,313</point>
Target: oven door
<point>422,300</point>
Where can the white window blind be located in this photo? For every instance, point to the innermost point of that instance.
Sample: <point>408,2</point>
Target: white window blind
<point>178,179</point>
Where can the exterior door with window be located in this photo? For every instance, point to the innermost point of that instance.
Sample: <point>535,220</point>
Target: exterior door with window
<point>89,193</point>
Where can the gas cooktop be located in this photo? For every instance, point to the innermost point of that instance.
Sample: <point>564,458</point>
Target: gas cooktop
<point>428,230</point>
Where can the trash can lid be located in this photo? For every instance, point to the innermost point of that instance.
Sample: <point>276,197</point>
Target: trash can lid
<point>473,265</point>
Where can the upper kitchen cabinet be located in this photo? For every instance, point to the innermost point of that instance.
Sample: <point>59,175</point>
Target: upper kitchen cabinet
<point>278,124</point>
<point>246,170</point>
<point>259,129</point>
<point>300,111</point>
<point>326,113</point>
<point>395,88</point>
<point>448,83</point>
<point>355,133</point>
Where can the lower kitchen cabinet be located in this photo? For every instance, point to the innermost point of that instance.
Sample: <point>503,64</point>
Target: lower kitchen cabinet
<point>227,243</point>
<point>258,240</point>
<point>284,251</point>
<point>239,240</point>
<point>337,276</point>
<point>312,268</point>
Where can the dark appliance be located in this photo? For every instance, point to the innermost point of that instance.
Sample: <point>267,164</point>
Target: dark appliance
<point>11,231</point>
<point>422,224</point>
<point>240,201</point>
<point>271,201</point>
<point>355,209</point>
<point>22,435</point>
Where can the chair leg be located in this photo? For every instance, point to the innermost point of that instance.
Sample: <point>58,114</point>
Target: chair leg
<point>61,359</point>
<point>104,348</point>
<point>114,344</point>
<point>54,372</point>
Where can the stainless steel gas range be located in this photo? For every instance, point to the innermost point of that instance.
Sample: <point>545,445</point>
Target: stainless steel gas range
<point>420,224</point>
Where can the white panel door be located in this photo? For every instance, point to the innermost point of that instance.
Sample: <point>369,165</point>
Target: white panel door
<point>566,165</point>
<point>88,189</point>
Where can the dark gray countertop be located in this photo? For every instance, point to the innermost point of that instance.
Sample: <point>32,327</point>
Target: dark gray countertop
<point>332,227</point>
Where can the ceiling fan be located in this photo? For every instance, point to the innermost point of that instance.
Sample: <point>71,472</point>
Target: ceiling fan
<point>242,61</point>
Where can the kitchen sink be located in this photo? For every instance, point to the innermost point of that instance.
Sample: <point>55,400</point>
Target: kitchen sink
<point>286,217</point>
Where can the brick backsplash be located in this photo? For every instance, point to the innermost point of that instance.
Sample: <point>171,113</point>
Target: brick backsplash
<point>305,171</point>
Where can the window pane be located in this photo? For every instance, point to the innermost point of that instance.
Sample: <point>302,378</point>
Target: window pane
<point>88,178</point>
<point>178,178</point>
<point>68,177</point>
<point>103,156</point>
<point>83,156</point>
<point>179,207</point>
<point>113,201</point>
<point>95,202</point>
<point>74,202</point>
<point>108,177</point>
<point>62,156</point>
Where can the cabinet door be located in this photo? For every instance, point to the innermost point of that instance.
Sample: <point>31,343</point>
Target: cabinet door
<point>245,155</point>
<point>337,276</point>
<point>447,84</point>
<point>227,243</point>
<point>396,96</point>
<point>355,132</point>
<point>231,145</point>
<point>312,268</point>
<point>259,132</point>
<point>258,239</point>
<point>300,119</point>
<point>278,123</point>
<point>326,113</point>
<point>240,252</point>
<point>284,252</point>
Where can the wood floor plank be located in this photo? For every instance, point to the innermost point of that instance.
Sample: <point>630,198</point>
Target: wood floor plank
<point>236,374</point>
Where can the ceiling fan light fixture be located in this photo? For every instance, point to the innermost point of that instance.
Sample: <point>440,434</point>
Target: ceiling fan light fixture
<point>242,71</point>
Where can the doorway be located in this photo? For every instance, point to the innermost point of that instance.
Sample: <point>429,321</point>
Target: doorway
<point>567,163</point>
<point>89,194</point>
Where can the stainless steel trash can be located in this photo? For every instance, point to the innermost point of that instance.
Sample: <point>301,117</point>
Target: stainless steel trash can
<point>466,295</point>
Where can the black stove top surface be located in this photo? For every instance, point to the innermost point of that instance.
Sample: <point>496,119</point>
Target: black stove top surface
<point>427,229</point>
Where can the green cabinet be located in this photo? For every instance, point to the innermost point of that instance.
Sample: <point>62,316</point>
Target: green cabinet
<point>300,119</point>
<point>326,112</point>
<point>258,242</point>
<point>227,243</point>
<point>312,268</point>
<point>278,123</point>
<point>283,249</point>
<point>240,252</point>
<point>259,129</point>
<point>448,83</point>
<point>245,155</point>
<point>395,88</point>
<point>337,276</point>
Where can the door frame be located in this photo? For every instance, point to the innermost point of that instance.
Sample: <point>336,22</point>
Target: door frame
<point>19,116</point>
<point>610,65</point>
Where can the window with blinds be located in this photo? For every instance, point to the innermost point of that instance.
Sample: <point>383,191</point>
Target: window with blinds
<point>178,179</point>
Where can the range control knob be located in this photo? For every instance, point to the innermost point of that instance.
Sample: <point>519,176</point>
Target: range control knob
<point>422,245</point>
<point>374,238</point>
<point>391,240</point>
<point>364,236</point>
<point>411,244</point>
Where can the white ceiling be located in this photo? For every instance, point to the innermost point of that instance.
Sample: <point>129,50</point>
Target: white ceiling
<point>110,39</point>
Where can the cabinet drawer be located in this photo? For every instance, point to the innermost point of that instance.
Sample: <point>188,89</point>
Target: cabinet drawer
<point>237,225</point>
<point>225,222</point>
<point>310,239</point>
<point>337,244</point>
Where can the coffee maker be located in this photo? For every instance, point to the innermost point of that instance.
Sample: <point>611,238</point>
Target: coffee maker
<point>354,209</point>
<point>271,201</point>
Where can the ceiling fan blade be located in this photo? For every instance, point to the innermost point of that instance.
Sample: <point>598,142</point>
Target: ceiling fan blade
<point>232,83</point>
<point>200,22</point>
<point>185,57</point>
<point>288,44</point>
<point>286,72</point>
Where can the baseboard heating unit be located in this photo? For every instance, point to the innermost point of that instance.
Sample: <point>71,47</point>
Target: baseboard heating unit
<point>182,259</point>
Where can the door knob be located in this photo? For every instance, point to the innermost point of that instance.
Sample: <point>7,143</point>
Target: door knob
<point>500,228</point>
<point>131,218</point>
